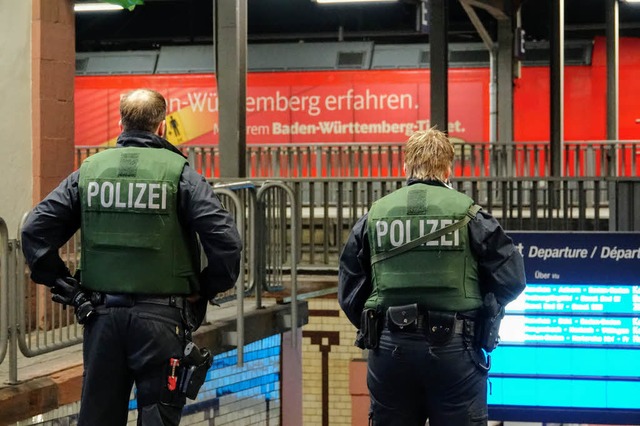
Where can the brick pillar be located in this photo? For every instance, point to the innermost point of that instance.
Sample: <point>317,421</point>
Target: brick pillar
<point>53,51</point>
<point>53,72</point>
<point>359,392</point>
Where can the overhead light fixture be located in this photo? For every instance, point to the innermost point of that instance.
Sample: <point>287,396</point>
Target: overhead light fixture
<point>632,1</point>
<point>355,1</point>
<point>95,7</point>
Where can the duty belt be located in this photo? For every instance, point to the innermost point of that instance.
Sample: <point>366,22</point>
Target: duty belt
<point>403,318</point>
<point>128,300</point>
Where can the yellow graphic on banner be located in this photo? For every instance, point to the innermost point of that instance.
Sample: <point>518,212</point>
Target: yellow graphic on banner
<point>183,125</point>
<point>186,124</point>
<point>175,130</point>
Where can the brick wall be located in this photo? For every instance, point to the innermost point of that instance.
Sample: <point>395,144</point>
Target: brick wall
<point>251,395</point>
<point>327,352</point>
<point>230,396</point>
<point>53,73</point>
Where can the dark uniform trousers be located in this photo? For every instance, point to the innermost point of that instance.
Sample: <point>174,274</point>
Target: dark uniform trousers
<point>123,345</point>
<point>411,380</point>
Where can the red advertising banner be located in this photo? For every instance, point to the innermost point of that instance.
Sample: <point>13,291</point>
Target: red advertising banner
<point>368,106</point>
<point>293,107</point>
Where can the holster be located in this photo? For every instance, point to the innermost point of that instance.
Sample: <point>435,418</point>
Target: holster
<point>370,329</point>
<point>194,365</point>
<point>488,324</point>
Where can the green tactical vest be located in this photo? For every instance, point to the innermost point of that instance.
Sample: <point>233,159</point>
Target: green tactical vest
<point>132,241</point>
<point>441,274</point>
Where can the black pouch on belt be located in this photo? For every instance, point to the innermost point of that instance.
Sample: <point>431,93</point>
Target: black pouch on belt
<point>488,326</point>
<point>441,327</point>
<point>403,317</point>
<point>369,332</point>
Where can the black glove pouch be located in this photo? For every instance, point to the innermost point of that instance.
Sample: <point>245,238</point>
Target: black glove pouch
<point>194,368</point>
<point>441,327</point>
<point>403,317</point>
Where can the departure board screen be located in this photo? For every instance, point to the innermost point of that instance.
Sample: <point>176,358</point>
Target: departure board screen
<point>570,344</point>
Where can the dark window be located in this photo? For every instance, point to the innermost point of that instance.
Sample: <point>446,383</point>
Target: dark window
<point>81,64</point>
<point>424,57</point>
<point>350,59</point>
<point>469,57</point>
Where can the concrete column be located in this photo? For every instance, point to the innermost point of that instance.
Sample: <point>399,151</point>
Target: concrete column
<point>53,73</point>
<point>439,63</point>
<point>556,86</point>
<point>613,71</point>
<point>15,111</point>
<point>230,35</point>
<point>291,378</point>
<point>504,166</point>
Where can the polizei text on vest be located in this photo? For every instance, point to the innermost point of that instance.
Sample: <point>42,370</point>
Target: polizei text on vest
<point>127,195</point>
<point>401,231</point>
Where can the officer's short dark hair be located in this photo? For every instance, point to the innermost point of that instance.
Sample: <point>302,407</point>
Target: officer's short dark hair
<point>142,109</point>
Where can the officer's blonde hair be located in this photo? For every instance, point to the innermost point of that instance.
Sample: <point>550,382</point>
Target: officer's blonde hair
<point>428,155</point>
<point>142,109</point>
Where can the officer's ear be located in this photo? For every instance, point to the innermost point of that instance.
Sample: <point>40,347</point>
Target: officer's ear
<point>447,174</point>
<point>120,125</point>
<point>161,128</point>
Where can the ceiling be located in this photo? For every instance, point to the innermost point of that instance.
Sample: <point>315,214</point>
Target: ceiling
<point>179,22</point>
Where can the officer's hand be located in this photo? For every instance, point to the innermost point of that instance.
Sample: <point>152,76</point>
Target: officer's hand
<point>65,290</point>
<point>196,312</point>
<point>68,292</point>
<point>193,298</point>
<point>206,287</point>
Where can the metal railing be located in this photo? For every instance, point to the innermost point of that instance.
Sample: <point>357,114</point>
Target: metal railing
<point>4,289</point>
<point>292,224</point>
<point>330,206</point>
<point>384,159</point>
<point>240,200</point>
<point>43,325</point>
<point>36,325</point>
<point>238,212</point>
<point>276,224</point>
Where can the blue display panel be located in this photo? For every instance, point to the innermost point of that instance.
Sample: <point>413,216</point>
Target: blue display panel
<point>570,344</point>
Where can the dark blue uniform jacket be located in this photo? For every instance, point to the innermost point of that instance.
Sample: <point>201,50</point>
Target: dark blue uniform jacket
<point>57,218</point>
<point>500,265</point>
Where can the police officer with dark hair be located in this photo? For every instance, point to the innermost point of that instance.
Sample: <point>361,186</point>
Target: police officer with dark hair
<point>425,276</point>
<point>142,210</point>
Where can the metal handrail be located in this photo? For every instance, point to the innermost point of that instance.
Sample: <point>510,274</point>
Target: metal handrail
<point>472,159</point>
<point>295,237</point>
<point>50,331</point>
<point>240,282</point>
<point>47,337</point>
<point>333,205</point>
<point>246,188</point>
<point>4,289</point>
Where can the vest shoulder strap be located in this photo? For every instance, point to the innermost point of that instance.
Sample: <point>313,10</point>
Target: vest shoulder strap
<point>471,213</point>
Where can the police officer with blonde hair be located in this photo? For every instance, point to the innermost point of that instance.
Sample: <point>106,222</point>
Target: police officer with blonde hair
<point>425,276</point>
<point>144,213</point>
